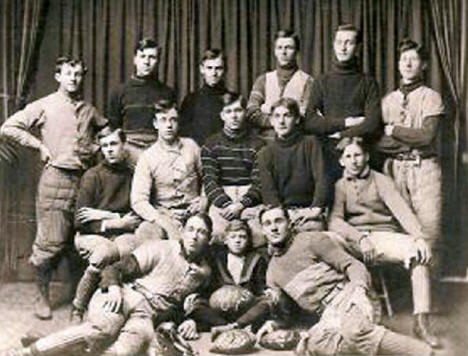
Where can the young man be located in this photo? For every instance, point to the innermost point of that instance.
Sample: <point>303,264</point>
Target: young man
<point>68,127</point>
<point>104,221</point>
<point>287,80</point>
<point>411,116</point>
<point>292,169</point>
<point>142,290</point>
<point>167,181</point>
<point>378,224</point>
<point>199,112</point>
<point>322,278</point>
<point>131,105</point>
<point>344,102</point>
<point>230,176</point>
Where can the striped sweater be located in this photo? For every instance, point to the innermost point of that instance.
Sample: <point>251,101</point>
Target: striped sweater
<point>230,161</point>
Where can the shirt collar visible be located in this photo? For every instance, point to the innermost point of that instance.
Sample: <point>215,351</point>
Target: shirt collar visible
<point>176,147</point>
<point>364,174</point>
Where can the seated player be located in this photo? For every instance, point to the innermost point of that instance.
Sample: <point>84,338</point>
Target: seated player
<point>104,221</point>
<point>145,288</point>
<point>234,264</point>
<point>230,176</point>
<point>322,278</point>
<point>292,170</point>
<point>167,181</point>
<point>378,224</point>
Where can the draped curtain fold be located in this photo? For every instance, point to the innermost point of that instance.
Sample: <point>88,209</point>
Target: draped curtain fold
<point>104,33</point>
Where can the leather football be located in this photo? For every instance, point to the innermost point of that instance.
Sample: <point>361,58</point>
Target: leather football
<point>233,342</point>
<point>280,340</point>
<point>231,299</point>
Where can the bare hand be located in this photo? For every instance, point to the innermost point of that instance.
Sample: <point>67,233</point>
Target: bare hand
<point>86,215</point>
<point>354,121</point>
<point>423,251</point>
<point>188,330</point>
<point>389,130</point>
<point>367,250</point>
<point>46,156</point>
<point>197,205</point>
<point>113,300</point>
<point>268,327</point>
<point>232,211</point>
<point>130,221</point>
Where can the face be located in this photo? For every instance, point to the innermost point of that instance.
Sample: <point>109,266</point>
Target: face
<point>145,62</point>
<point>275,226</point>
<point>233,116</point>
<point>237,241</point>
<point>345,45</point>
<point>354,160</point>
<point>167,124</point>
<point>285,51</point>
<point>195,236</point>
<point>212,71</point>
<point>112,148</point>
<point>70,78</point>
<point>410,65</point>
<point>283,121</point>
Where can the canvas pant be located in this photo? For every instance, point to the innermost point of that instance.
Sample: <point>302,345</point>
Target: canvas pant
<point>55,202</point>
<point>127,332</point>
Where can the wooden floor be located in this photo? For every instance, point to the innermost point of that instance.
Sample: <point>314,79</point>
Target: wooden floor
<point>16,318</point>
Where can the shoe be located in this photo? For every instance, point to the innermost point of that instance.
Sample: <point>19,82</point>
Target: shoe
<point>30,338</point>
<point>76,316</point>
<point>422,331</point>
<point>42,308</point>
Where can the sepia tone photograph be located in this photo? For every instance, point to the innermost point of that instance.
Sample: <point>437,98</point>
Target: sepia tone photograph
<point>258,177</point>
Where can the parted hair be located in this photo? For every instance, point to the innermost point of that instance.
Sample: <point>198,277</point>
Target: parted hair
<point>288,103</point>
<point>350,27</point>
<point>213,53</point>
<point>288,33</point>
<point>107,130</point>
<point>72,61</point>
<point>144,43</point>
<point>204,217</point>
<point>271,207</point>
<point>164,105</point>
<point>407,44</point>
<point>231,97</point>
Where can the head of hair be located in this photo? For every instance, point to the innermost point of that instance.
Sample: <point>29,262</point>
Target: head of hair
<point>350,27</point>
<point>288,33</point>
<point>71,61</point>
<point>237,225</point>
<point>164,105</point>
<point>213,53</point>
<point>144,43</point>
<point>202,216</point>
<point>408,44</point>
<point>358,141</point>
<point>288,103</point>
<point>267,208</point>
<point>107,130</point>
<point>229,98</point>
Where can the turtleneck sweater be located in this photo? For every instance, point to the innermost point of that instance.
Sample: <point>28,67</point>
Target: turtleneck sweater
<point>343,92</point>
<point>106,187</point>
<point>131,105</point>
<point>199,113</point>
<point>292,172</point>
<point>228,159</point>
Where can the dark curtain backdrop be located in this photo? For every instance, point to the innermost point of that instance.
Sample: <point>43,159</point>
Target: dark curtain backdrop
<point>104,33</point>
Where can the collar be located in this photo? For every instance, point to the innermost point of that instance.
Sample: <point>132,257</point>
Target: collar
<point>175,147</point>
<point>234,136</point>
<point>285,73</point>
<point>218,89</point>
<point>71,99</point>
<point>279,250</point>
<point>364,174</point>
<point>408,88</point>
<point>290,140</point>
<point>348,67</point>
<point>121,166</point>
<point>197,259</point>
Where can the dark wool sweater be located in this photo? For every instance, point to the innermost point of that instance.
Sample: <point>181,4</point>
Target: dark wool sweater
<point>105,187</point>
<point>343,92</point>
<point>292,172</point>
<point>230,160</point>
<point>131,106</point>
<point>199,113</point>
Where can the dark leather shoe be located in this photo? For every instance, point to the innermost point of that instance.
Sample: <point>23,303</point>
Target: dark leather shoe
<point>422,331</point>
<point>30,338</point>
<point>76,316</point>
